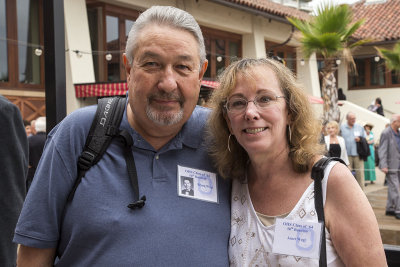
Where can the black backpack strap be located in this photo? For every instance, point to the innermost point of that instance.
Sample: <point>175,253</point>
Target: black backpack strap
<point>104,127</point>
<point>130,164</point>
<point>317,174</point>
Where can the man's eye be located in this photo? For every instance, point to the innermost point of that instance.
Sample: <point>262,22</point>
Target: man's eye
<point>183,67</point>
<point>150,64</point>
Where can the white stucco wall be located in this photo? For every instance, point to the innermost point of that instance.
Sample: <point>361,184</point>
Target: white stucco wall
<point>77,37</point>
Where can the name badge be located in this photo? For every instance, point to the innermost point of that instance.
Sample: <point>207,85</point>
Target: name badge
<point>297,238</point>
<point>197,184</point>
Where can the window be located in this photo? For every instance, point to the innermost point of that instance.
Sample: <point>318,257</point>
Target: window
<point>287,53</point>
<point>221,48</point>
<point>109,39</point>
<point>21,33</point>
<point>372,74</point>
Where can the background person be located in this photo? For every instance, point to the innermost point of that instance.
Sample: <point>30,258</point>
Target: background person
<point>13,169</point>
<point>352,133</point>
<point>369,164</point>
<point>334,143</point>
<point>165,61</point>
<point>36,145</point>
<point>266,139</point>
<point>389,163</point>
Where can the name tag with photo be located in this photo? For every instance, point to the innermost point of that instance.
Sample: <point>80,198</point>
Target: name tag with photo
<point>297,238</point>
<point>197,184</point>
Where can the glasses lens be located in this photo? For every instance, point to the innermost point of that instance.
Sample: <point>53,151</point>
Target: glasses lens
<point>236,104</point>
<point>264,100</point>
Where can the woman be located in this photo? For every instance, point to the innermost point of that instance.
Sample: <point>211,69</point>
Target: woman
<point>265,138</point>
<point>334,143</point>
<point>369,165</point>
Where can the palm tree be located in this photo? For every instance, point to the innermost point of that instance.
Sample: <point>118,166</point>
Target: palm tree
<point>329,34</point>
<point>392,57</point>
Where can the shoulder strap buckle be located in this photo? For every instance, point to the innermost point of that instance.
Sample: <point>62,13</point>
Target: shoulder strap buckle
<point>86,160</point>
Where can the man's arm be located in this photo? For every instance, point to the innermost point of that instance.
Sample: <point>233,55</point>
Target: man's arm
<point>382,152</point>
<point>35,257</point>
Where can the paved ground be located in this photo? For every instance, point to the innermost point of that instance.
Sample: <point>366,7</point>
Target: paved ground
<point>389,226</point>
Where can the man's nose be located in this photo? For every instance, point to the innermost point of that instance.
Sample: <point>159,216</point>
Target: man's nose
<point>167,81</point>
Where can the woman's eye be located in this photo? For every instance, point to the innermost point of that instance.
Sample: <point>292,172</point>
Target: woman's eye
<point>264,99</point>
<point>238,103</point>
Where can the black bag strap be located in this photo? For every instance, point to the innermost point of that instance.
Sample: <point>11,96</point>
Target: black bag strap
<point>104,128</point>
<point>130,164</point>
<point>317,174</point>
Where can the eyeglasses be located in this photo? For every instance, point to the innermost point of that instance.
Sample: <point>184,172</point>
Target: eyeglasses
<point>237,104</point>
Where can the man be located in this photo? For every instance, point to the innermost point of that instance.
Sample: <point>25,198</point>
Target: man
<point>165,62</point>
<point>352,134</point>
<point>187,187</point>
<point>389,163</point>
<point>13,169</point>
<point>36,145</point>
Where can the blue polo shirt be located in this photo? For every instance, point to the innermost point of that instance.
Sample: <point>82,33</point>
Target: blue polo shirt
<point>98,228</point>
<point>349,135</point>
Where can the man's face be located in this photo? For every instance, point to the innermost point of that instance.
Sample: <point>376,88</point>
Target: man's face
<point>351,119</point>
<point>187,185</point>
<point>396,123</point>
<point>164,80</point>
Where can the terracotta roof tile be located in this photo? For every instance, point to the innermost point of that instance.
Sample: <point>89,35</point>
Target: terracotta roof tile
<point>272,8</point>
<point>382,20</point>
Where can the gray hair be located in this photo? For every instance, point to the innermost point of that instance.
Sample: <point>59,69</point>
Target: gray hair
<point>40,124</point>
<point>167,16</point>
<point>394,117</point>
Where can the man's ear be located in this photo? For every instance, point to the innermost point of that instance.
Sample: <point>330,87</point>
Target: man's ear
<point>127,66</point>
<point>203,69</point>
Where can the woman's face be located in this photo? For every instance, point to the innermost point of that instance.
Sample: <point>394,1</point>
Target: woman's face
<point>259,130</point>
<point>331,130</point>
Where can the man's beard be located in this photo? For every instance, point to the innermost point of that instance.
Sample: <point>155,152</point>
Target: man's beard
<point>164,117</point>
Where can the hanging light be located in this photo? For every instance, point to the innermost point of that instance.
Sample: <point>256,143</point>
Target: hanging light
<point>108,56</point>
<point>38,52</point>
<point>219,58</point>
<point>302,62</point>
<point>338,61</point>
<point>377,58</point>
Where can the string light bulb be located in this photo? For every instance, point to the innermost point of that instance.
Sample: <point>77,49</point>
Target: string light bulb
<point>338,61</point>
<point>78,53</point>
<point>219,58</point>
<point>38,52</point>
<point>108,56</point>
<point>377,58</point>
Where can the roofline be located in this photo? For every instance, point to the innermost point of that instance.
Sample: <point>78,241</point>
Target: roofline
<point>251,10</point>
<point>382,42</point>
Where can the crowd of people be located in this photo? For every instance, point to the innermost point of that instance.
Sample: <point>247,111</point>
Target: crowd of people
<point>221,184</point>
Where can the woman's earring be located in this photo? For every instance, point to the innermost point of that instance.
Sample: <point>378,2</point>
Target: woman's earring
<point>229,140</point>
<point>290,135</point>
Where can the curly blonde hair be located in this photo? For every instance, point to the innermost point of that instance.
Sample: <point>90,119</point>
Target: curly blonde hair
<point>304,144</point>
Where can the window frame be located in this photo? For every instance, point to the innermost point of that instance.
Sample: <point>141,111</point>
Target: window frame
<point>12,50</point>
<point>367,68</point>
<point>122,14</point>
<point>215,34</point>
<point>285,49</point>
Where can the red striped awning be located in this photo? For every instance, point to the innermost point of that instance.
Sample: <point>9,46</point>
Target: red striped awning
<point>100,89</point>
<point>116,88</point>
